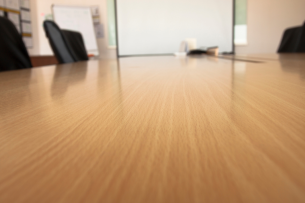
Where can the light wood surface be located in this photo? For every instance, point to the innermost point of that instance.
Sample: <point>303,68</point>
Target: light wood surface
<point>154,129</point>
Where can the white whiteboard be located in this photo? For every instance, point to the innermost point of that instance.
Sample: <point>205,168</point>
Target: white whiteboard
<point>78,19</point>
<point>159,26</point>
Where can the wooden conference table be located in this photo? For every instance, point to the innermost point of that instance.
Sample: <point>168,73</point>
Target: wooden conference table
<point>155,129</point>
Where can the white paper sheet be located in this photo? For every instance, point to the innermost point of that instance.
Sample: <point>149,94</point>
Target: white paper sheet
<point>95,11</point>
<point>99,31</point>
<point>25,4</point>
<point>26,27</point>
<point>14,18</point>
<point>96,20</point>
<point>25,15</point>
<point>12,4</point>
<point>28,41</point>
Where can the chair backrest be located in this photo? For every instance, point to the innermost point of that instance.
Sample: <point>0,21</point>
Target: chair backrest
<point>58,43</point>
<point>13,53</point>
<point>293,40</point>
<point>301,47</point>
<point>76,44</point>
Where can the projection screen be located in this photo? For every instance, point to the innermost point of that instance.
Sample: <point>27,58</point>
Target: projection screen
<point>152,27</point>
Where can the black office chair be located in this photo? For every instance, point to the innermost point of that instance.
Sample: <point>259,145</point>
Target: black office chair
<point>76,44</point>
<point>68,46</point>
<point>13,53</point>
<point>58,42</point>
<point>293,40</point>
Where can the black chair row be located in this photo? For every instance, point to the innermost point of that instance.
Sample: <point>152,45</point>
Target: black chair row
<point>293,40</point>
<point>68,46</point>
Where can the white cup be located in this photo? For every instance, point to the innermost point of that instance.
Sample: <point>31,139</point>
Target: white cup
<point>192,43</point>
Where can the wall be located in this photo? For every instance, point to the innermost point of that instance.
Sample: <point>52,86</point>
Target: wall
<point>44,8</point>
<point>267,19</point>
<point>35,49</point>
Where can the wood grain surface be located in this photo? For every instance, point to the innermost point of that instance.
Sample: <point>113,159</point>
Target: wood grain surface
<point>154,130</point>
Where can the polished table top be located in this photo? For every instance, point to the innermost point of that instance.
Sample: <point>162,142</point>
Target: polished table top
<point>154,129</point>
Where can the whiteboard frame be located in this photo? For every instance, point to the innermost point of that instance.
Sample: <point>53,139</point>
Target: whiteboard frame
<point>118,44</point>
<point>95,52</point>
